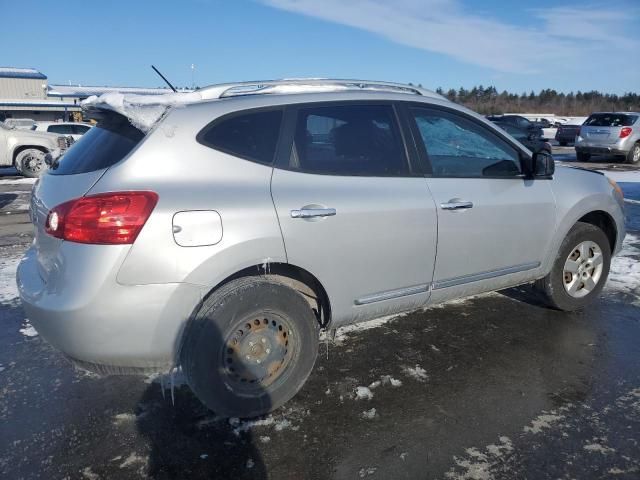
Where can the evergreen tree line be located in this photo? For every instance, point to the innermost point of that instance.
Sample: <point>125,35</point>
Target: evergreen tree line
<point>488,101</point>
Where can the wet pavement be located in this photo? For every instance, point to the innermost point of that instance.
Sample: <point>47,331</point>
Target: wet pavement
<point>495,386</point>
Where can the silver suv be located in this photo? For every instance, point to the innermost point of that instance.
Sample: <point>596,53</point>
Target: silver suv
<point>224,234</point>
<point>610,134</point>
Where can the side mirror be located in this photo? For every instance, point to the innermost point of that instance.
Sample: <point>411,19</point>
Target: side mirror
<point>543,164</point>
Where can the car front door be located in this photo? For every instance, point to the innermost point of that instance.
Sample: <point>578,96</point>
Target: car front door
<point>353,210</point>
<point>494,224</point>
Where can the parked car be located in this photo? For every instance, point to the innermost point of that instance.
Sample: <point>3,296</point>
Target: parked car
<point>223,235</point>
<point>529,140</point>
<point>518,121</point>
<point>567,133</point>
<point>19,123</point>
<point>26,150</point>
<point>610,133</point>
<point>73,129</point>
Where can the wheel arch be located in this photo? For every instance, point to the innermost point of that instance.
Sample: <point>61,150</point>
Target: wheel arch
<point>605,222</point>
<point>21,148</point>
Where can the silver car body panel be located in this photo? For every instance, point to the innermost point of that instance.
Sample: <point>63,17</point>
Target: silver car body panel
<point>388,248</point>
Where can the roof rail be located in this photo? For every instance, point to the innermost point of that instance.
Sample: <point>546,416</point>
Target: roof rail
<point>308,85</point>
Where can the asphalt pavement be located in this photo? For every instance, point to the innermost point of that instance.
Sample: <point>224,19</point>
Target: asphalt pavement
<point>492,387</point>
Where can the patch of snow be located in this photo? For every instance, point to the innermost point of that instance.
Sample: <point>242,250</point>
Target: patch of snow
<point>417,373</point>
<point>143,111</point>
<point>203,456</point>
<point>123,419</point>
<point>476,465</point>
<point>363,393</point>
<point>133,459</point>
<point>265,439</point>
<point>28,331</point>
<point>624,275</point>
<point>597,447</point>
<point>241,426</point>
<point>546,420</point>
<point>369,414</point>
<point>89,474</point>
<point>8,287</point>
<point>342,333</point>
<point>365,472</point>
<point>250,463</point>
<point>17,181</point>
<point>403,455</point>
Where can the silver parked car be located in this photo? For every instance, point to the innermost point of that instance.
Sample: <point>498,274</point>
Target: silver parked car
<point>227,233</point>
<point>610,134</point>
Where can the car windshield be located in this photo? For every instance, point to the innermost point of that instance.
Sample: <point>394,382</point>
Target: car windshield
<point>611,120</point>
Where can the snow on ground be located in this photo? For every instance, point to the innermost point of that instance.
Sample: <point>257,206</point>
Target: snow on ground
<point>417,372</point>
<point>17,181</point>
<point>369,414</point>
<point>27,330</point>
<point>624,275</point>
<point>363,393</point>
<point>8,287</point>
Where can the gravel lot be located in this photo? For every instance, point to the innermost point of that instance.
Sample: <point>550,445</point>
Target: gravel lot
<point>489,387</point>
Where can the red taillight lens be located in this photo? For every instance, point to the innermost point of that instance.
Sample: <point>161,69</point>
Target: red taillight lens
<point>105,219</point>
<point>625,132</point>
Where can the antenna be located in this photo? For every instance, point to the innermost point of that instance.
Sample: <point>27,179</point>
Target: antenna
<point>163,78</point>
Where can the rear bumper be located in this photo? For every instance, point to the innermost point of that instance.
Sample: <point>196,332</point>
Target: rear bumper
<point>601,150</point>
<point>120,327</point>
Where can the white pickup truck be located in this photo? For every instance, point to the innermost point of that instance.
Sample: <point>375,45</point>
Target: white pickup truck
<point>26,150</point>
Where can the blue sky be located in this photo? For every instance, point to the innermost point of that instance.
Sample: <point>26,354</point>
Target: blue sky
<point>517,46</point>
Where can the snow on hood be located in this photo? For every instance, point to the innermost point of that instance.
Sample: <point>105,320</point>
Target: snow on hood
<point>143,111</point>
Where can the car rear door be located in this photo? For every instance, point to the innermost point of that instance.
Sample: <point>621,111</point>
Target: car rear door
<point>494,225</point>
<point>353,210</point>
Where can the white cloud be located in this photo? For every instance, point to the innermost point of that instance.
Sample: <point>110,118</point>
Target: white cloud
<point>559,37</point>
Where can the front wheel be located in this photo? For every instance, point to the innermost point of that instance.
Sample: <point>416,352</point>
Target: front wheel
<point>580,269</point>
<point>250,347</point>
<point>30,162</point>
<point>634,154</point>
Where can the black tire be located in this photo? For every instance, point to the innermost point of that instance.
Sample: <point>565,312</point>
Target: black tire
<point>563,144</point>
<point>633,156</point>
<point>250,317</point>
<point>553,285</point>
<point>583,157</point>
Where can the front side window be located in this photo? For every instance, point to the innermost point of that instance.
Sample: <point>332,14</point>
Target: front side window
<point>250,135</point>
<point>360,140</point>
<point>458,147</point>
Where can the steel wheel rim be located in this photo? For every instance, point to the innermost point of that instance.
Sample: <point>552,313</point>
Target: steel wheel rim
<point>33,162</point>
<point>257,352</point>
<point>636,154</point>
<point>583,269</point>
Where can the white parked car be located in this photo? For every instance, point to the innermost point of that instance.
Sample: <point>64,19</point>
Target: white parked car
<point>68,129</point>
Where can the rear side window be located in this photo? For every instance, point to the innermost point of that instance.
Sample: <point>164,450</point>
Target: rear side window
<point>610,120</point>
<point>359,140</point>
<point>249,135</point>
<point>102,146</point>
<point>60,129</point>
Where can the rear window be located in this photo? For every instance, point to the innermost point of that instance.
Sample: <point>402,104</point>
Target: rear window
<point>250,135</point>
<point>102,146</point>
<point>610,120</point>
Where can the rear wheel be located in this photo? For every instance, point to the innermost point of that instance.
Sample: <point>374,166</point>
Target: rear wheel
<point>583,157</point>
<point>30,162</point>
<point>634,154</point>
<point>250,347</point>
<point>580,269</point>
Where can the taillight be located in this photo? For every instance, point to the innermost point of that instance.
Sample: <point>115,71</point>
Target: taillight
<point>106,218</point>
<point>625,132</point>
